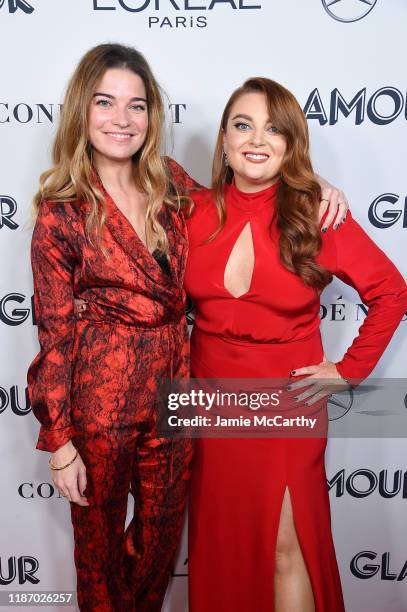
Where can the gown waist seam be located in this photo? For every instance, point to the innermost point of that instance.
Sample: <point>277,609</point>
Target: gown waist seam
<point>314,334</point>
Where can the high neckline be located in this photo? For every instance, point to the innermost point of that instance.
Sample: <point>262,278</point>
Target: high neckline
<point>250,202</point>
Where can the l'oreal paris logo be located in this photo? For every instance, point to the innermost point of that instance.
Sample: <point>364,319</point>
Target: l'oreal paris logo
<point>348,11</point>
<point>181,13</point>
<point>137,6</point>
<point>15,5</point>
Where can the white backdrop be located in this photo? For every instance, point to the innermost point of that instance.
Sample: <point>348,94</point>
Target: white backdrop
<point>200,50</point>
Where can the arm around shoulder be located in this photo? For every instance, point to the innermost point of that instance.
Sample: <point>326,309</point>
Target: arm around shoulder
<point>182,180</point>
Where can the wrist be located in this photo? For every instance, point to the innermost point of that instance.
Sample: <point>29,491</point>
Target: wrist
<point>63,454</point>
<point>338,367</point>
<point>61,465</point>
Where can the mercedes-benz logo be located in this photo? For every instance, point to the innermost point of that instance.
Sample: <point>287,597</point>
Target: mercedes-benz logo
<point>339,404</point>
<point>348,10</point>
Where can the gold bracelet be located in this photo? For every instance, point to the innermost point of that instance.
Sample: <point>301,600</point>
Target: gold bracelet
<point>64,466</point>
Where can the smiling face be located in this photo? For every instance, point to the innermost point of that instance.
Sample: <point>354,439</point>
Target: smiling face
<point>118,116</point>
<point>253,145</point>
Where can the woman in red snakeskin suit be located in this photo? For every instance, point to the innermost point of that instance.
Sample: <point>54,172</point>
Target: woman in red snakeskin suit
<point>92,385</point>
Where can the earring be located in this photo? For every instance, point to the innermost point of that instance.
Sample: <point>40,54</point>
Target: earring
<point>225,158</point>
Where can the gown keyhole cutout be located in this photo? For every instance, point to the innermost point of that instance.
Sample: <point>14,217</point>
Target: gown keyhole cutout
<point>238,272</point>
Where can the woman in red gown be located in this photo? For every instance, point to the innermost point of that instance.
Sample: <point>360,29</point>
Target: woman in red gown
<point>259,519</point>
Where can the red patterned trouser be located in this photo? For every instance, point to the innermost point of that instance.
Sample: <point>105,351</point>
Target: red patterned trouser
<point>118,569</point>
<point>122,570</point>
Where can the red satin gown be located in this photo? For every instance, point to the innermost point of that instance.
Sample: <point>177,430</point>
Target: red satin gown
<point>238,484</point>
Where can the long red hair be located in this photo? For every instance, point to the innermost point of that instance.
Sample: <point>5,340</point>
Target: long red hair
<point>298,195</point>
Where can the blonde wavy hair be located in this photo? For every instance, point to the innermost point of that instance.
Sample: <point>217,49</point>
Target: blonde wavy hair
<point>298,195</point>
<point>72,175</point>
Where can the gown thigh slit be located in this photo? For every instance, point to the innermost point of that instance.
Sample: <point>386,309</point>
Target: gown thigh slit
<point>289,545</point>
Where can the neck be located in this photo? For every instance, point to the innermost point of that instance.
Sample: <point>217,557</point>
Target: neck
<point>114,174</point>
<point>251,186</point>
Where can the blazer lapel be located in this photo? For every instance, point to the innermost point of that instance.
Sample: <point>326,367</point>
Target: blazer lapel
<point>125,235</point>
